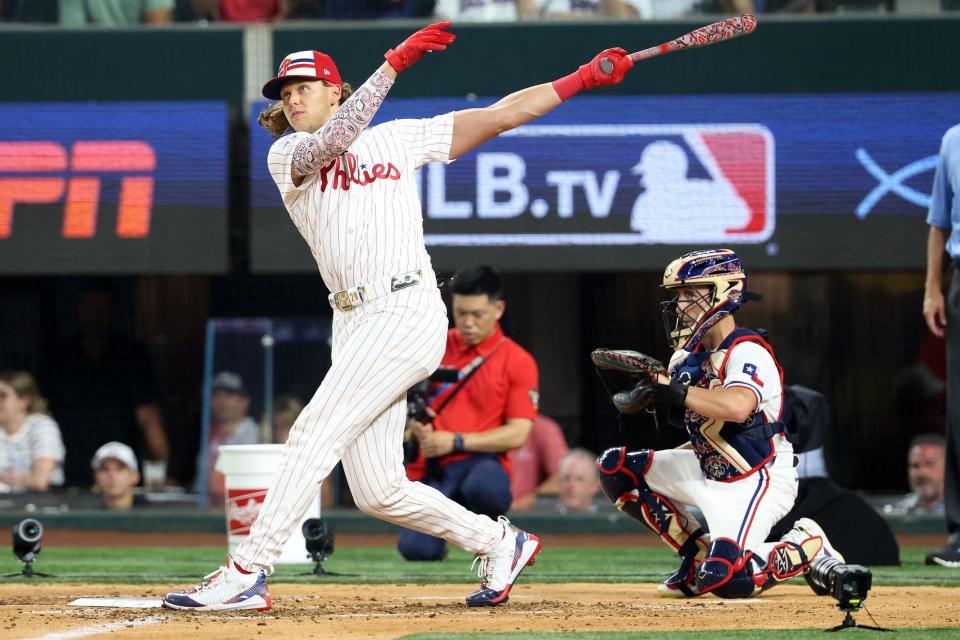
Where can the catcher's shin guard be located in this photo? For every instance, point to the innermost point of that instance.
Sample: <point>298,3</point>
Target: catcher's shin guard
<point>789,559</point>
<point>796,551</point>
<point>728,571</point>
<point>622,481</point>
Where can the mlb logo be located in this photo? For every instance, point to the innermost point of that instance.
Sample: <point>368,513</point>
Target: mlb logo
<point>711,184</point>
<point>676,184</point>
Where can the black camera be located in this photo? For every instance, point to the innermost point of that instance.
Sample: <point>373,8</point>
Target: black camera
<point>319,539</point>
<point>848,584</point>
<point>27,535</point>
<point>419,396</point>
<point>417,401</point>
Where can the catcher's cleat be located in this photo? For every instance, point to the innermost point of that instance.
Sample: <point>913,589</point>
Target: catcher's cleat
<point>809,537</point>
<point>681,584</point>
<point>500,568</point>
<point>804,529</point>
<point>226,589</point>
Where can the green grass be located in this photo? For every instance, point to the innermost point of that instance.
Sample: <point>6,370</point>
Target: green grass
<point>748,634</point>
<point>382,565</point>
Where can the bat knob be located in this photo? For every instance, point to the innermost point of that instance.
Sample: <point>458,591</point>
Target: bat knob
<point>605,65</point>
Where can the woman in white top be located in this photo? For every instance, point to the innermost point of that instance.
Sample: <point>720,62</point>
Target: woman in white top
<point>31,449</point>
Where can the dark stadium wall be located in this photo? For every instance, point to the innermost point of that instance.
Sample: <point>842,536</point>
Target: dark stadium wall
<point>832,55</point>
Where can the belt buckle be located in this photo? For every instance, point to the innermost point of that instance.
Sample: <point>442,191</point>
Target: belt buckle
<point>342,300</point>
<point>404,280</point>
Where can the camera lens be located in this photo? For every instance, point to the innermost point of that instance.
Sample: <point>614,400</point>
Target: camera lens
<point>30,530</point>
<point>821,577</point>
<point>318,536</point>
<point>314,529</point>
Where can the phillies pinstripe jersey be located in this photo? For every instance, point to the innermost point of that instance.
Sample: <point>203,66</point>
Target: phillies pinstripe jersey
<point>360,214</point>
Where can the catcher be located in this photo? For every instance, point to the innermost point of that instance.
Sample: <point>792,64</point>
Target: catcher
<point>725,387</point>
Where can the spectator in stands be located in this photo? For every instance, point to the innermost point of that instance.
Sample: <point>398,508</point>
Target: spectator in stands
<point>286,408</point>
<point>115,13</point>
<point>31,449</point>
<point>925,463</point>
<point>243,10</point>
<point>578,481</point>
<point>103,387</point>
<point>788,6</point>
<point>361,9</point>
<point>115,476</point>
<point>669,9</point>
<point>229,424</point>
<point>487,10</point>
<point>536,463</point>
<point>585,9</point>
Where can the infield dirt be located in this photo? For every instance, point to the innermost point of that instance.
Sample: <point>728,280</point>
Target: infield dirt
<point>390,611</point>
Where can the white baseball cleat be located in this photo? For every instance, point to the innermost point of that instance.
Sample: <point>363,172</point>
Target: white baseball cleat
<point>500,568</point>
<point>226,589</point>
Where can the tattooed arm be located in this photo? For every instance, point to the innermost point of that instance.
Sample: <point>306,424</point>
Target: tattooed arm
<point>344,127</point>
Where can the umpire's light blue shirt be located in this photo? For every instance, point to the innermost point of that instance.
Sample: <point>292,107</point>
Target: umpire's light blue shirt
<point>944,205</point>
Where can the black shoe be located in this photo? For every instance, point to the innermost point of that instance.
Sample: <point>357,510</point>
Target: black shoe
<point>946,556</point>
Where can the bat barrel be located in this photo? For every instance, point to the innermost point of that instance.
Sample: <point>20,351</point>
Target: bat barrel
<point>701,37</point>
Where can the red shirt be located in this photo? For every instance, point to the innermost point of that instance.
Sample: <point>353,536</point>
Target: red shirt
<point>505,386</point>
<point>249,10</point>
<point>538,458</point>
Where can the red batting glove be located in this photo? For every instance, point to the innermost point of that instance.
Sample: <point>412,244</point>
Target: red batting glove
<point>591,75</point>
<point>432,38</point>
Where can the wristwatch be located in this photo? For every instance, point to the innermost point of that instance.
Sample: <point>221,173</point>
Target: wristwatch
<point>457,442</point>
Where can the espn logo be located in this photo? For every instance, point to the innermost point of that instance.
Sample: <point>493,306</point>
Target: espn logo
<point>86,162</point>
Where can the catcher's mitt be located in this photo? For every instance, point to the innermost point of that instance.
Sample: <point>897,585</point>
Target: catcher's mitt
<point>628,377</point>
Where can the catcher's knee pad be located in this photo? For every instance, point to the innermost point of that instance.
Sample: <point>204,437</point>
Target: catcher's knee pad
<point>622,480</point>
<point>621,474</point>
<point>727,571</point>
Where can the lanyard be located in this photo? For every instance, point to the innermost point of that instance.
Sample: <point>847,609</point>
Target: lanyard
<point>464,375</point>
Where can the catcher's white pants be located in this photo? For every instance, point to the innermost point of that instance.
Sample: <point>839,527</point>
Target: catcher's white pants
<point>380,349</point>
<point>744,510</point>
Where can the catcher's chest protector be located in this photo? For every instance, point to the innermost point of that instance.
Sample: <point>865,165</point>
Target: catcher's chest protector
<point>726,450</point>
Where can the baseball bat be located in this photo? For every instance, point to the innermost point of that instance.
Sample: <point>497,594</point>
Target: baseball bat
<point>702,37</point>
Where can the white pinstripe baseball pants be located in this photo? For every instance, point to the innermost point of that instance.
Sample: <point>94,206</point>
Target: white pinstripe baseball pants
<point>380,349</point>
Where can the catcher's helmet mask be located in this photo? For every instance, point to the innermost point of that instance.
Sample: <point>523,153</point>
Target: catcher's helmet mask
<point>719,282</point>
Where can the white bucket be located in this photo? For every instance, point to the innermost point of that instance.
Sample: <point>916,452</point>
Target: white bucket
<point>248,470</point>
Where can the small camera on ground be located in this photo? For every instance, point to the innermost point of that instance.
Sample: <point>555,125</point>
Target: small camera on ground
<point>27,538</point>
<point>848,584</point>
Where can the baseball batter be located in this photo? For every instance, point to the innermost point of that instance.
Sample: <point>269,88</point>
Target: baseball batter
<point>352,194</point>
<point>725,387</point>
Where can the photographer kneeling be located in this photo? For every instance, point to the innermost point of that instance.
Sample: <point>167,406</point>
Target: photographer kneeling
<point>461,437</point>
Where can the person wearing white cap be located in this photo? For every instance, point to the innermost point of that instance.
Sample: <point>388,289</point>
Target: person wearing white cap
<point>352,194</point>
<point>116,474</point>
